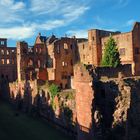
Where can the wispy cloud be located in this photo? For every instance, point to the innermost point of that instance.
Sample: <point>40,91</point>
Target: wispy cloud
<point>38,15</point>
<point>23,19</point>
<point>13,5</point>
<point>27,31</point>
<point>130,22</point>
<point>15,33</point>
<point>10,11</point>
<point>121,3</point>
<point>60,7</point>
<point>78,33</point>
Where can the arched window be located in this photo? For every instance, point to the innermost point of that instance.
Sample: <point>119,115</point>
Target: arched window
<point>65,46</point>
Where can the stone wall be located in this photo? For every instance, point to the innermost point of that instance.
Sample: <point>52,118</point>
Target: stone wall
<point>136,47</point>
<point>34,99</point>
<point>110,72</point>
<point>31,59</point>
<point>84,97</point>
<point>106,109</point>
<point>8,62</point>
<point>61,56</point>
<point>127,43</point>
<point>84,55</point>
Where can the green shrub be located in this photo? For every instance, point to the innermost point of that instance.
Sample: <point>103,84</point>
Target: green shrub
<point>53,89</point>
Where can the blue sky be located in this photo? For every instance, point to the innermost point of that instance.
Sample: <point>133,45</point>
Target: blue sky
<point>24,19</point>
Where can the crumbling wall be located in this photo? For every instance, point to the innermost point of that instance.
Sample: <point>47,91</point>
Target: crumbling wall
<point>107,109</point>
<point>34,99</point>
<point>84,97</point>
<point>118,105</point>
<point>111,72</point>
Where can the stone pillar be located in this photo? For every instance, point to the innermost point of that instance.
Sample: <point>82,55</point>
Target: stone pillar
<point>133,68</point>
<point>84,98</point>
<point>18,62</point>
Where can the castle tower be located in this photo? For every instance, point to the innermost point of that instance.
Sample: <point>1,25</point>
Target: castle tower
<point>95,45</point>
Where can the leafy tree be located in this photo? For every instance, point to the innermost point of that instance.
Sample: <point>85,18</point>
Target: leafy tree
<point>53,89</point>
<point>111,57</point>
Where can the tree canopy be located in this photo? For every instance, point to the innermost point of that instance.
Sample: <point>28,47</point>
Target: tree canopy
<point>111,57</point>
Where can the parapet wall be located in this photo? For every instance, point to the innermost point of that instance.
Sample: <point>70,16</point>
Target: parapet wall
<point>111,72</point>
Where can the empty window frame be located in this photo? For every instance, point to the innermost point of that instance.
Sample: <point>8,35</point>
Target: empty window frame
<point>8,61</point>
<point>137,50</point>
<point>122,51</point>
<point>2,61</point>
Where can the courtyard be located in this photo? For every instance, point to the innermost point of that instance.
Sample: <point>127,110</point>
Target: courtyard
<point>23,127</point>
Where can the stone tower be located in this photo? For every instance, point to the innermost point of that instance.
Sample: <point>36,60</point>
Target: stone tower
<point>95,44</point>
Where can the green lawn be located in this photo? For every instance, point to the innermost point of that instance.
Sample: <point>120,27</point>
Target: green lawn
<point>23,127</point>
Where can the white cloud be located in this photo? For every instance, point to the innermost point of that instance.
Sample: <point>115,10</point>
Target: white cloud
<point>27,31</point>
<point>18,6</point>
<point>10,11</point>
<point>51,24</point>
<point>40,15</point>
<point>43,6</point>
<point>12,4</point>
<point>65,8</point>
<point>76,12</point>
<point>78,33</point>
<point>17,32</point>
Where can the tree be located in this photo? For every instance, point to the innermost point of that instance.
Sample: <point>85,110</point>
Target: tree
<point>53,89</point>
<point>111,57</point>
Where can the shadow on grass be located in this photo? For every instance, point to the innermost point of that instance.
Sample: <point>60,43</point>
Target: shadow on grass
<point>17,126</point>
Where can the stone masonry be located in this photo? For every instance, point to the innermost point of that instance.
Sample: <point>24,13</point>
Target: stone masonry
<point>128,45</point>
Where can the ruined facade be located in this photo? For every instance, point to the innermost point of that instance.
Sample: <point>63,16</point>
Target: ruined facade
<point>61,59</point>
<point>8,62</point>
<point>49,59</point>
<point>52,58</point>
<point>106,109</point>
<point>31,60</point>
<point>128,45</point>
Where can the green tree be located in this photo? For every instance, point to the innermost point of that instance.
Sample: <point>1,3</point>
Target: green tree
<point>53,89</point>
<point>111,57</point>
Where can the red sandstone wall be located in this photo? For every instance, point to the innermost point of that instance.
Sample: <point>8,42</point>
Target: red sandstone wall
<point>62,54</point>
<point>124,41</point>
<point>43,74</point>
<point>8,63</point>
<point>136,47</point>
<point>84,53</point>
<point>84,98</point>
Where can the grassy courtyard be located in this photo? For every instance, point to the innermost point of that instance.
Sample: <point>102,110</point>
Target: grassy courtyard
<point>23,127</point>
